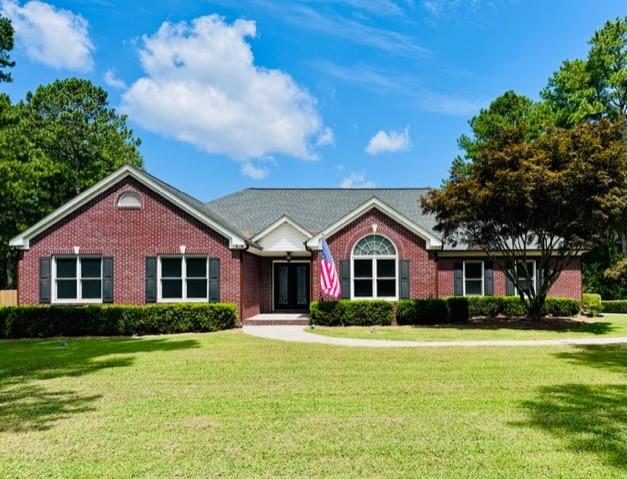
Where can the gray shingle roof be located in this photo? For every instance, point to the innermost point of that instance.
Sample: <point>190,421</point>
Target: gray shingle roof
<point>254,209</point>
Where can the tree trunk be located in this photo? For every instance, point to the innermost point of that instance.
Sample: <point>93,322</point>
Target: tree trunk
<point>623,243</point>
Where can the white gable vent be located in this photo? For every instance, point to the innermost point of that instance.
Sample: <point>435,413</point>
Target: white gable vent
<point>129,201</point>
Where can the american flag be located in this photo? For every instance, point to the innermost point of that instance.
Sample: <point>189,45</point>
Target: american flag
<point>329,281</point>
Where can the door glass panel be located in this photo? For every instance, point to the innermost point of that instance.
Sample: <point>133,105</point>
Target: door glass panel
<point>301,279</point>
<point>283,284</point>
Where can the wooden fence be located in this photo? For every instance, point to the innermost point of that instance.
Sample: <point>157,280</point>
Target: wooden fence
<point>8,297</point>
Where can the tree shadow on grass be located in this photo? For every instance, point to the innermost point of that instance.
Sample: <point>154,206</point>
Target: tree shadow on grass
<point>558,325</point>
<point>589,418</point>
<point>28,404</point>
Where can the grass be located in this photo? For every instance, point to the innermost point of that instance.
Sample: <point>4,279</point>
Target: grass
<point>613,325</point>
<point>229,405</point>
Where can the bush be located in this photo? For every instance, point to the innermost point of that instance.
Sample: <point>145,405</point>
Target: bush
<point>614,306</point>
<point>591,304</point>
<point>488,306</point>
<point>432,311</point>
<point>562,307</point>
<point>98,320</point>
<point>511,307</point>
<point>458,308</point>
<point>351,313</point>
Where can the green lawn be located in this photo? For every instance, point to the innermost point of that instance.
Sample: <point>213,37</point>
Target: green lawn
<point>230,405</point>
<point>611,325</point>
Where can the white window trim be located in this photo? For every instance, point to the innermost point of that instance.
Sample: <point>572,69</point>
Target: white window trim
<point>533,275</point>
<point>474,279</point>
<point>78,279</point>
<point>374,259</point>
<point>184,278</point>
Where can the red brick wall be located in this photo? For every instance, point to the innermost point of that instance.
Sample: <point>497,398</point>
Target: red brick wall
<point>129,236</point>
<point>251,299</point>
<point>422,263</point>
<point>568,285</point>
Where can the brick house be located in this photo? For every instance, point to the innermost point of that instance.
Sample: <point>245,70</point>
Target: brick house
<point>133,239</point>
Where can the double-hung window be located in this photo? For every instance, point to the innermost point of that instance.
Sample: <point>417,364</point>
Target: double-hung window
<point>374,265</point>
<point>183,278</point>
<point>77,279</point>
<point>522,275</point>
<point>473,278</point>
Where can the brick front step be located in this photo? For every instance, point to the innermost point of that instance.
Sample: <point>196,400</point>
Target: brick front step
<point>275,322</point>
<point>277,319</point>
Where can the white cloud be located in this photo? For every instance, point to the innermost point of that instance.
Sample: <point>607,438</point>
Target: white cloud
<point>392,141</point>
<point>356,180</point>
<point>52,36</point>
<point>201,86</point>
<point>410,89</point>
<point>111,79</point>
<point>326,137</point>
<point>255,172</point>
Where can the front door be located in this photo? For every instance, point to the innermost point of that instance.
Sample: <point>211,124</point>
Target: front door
<point>291,286</point>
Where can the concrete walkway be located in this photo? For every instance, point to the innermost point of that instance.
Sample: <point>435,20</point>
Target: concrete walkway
<point>298,334</point>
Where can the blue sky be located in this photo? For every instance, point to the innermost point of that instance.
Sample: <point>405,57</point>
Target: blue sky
<point>227,95</point>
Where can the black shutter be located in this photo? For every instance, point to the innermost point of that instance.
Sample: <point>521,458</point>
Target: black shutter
<point>488,278</point>
<point>44,279</point>
<point>345,278</point>
<point>403,291</point>
<point>458,279</point>
<point>107,279</point>
<point>509,284</point>
<point>214,280</point>
<point>151,279</point>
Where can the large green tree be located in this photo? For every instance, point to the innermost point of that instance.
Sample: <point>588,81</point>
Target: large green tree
<point>6,45</point>
<point>549,193</point>
<point>60,140</point>
<point>587,90</point>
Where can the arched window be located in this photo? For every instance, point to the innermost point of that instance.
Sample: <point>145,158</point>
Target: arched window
<point>129,200</point>
<point>374,267</point>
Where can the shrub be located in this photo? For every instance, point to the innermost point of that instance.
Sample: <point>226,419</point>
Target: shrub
<point>458,308</point>
<point>351,313</point>
<point>591,304</point>
<point>488,306</point>
<point>614,306</point>
<point>406,311</point>
<point>562,307</point>
<point>432,311</point>
<point>98,320</point>
<point>511,307</point>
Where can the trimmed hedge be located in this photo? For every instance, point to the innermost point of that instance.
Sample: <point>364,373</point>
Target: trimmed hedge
<point>422,311</point>
<point>98,320</point>
<point>351,313</point>
<point>458,309</point>
<point>511,306</point>
<point>614,306</point>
